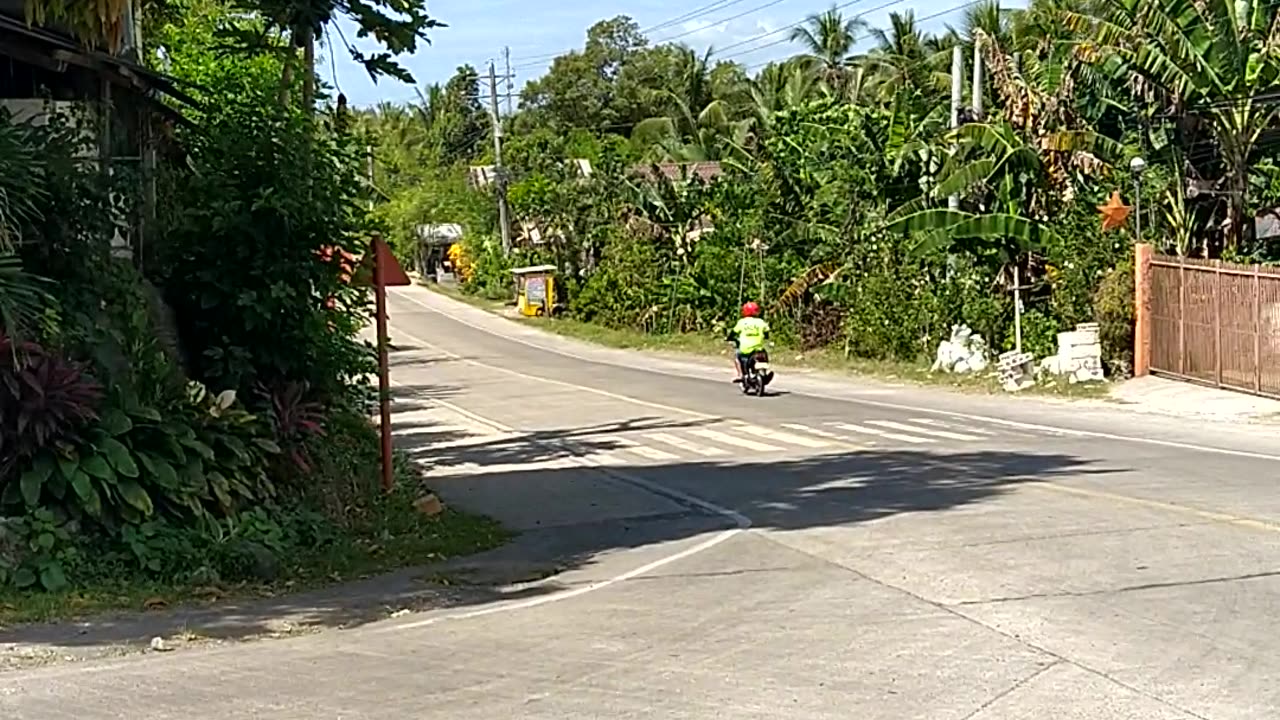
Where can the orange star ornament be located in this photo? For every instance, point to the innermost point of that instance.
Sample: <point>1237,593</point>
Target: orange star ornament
<point>1115,212</point>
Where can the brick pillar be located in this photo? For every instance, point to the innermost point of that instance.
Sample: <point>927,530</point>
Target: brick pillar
<point>1142,310</point>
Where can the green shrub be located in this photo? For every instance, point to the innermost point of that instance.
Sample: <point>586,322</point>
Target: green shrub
<point>241,263</point>
<point>1114,312</point>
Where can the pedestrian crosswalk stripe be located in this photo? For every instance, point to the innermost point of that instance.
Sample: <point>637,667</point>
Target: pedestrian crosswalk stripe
<point>882,433</point>
<point>785,437</point>
<point>644,451</point>
<point>923,430</point>
<point>672,440</point>
<point>606,459</point>
<point>727,439</point>
<point>813,431</point>
<point>939,423</point>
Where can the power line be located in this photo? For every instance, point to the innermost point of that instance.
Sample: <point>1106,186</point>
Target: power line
<point>798,23</point>
<point>856,40</point>
<point>697,13</point>
<point>691,15</point>
<point>729,19</point>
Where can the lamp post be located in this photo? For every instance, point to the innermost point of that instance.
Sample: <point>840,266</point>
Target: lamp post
<point>1137,166</point>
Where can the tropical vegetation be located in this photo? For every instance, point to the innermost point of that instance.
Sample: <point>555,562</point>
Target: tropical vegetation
<point>844,200</point>
<point>184,401</point>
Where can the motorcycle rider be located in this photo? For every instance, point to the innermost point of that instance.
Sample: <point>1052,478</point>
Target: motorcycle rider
<point>748,336</point>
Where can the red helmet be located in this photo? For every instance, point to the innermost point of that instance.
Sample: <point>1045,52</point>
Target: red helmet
<point>750,310</point>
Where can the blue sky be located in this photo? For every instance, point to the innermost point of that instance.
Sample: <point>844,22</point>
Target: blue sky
<point>478,30</point>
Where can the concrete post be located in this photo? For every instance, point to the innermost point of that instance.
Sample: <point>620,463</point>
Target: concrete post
<point>1142,309</point>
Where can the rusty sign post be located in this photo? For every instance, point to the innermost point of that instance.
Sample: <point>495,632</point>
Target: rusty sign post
<point>386,272</point>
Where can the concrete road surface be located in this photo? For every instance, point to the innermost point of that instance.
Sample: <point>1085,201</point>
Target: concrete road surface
<point>837,550</point>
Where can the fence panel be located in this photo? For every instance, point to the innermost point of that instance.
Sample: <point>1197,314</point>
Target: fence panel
<point>1216,323</point>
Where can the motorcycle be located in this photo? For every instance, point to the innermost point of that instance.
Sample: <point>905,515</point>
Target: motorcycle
<point>756,373</point>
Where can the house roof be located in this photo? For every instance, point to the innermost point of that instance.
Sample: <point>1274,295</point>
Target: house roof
<point>55,51</point>
<point>674,171</point>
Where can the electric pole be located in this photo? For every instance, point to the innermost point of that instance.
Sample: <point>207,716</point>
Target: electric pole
<point>498,170</point>
<point>957,97</point>
<point>368,156</point>
<point>509,77</point>
<point>977,79</point>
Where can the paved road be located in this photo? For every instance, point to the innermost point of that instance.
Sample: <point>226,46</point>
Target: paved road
<point>834,551</point>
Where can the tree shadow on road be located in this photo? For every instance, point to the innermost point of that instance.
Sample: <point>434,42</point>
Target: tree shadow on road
<point>568,515</point>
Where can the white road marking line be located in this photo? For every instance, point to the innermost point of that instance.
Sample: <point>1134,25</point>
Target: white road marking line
<point>923,430</point>
<point>882,433</point>
<point>728,439</point>
<point>789,438</point>
<point>645,451</point>
<point>673,441</point>
<point>939,423</point>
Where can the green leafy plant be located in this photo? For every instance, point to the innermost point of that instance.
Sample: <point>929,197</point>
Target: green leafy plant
<point>137,464</point>
<point>37,551</point>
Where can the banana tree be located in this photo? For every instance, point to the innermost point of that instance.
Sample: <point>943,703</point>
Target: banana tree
<point>1015,187</point>
<point>1211,62</point>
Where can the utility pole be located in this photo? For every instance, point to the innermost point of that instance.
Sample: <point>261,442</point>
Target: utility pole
<point>509,77</point>
<point>957,97</point>
<point>497,161</point>
<point>368,157</point>
<point>977,79</point>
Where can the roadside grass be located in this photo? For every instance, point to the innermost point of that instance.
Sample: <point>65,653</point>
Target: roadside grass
<point>828,360</point>
<point>386,534</point>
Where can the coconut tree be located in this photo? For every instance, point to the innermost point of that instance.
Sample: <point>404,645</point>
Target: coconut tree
<point>780,86</point>
<point>22,295</point>
<point>907,59</point>
<point>700,127</point>
<point>828,39</point>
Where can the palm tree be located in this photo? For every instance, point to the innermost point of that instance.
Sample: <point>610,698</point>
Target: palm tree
<point>828,39</point>
<point>701,127</point>
<point>22,295</point>
<point>780,86</point>
<point>1209,62</point>
<point>989,19</point>
<point>906,59</point>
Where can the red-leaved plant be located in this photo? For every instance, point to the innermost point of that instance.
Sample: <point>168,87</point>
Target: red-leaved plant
<point>295,420</point>
<point>44,398</point>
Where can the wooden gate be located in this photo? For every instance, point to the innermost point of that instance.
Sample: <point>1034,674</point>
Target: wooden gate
<point>1216,323</point>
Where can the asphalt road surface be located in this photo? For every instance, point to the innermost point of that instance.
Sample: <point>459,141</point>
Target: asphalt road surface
<point>837,550</point>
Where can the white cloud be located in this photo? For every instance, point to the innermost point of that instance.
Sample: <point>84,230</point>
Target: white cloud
<point>703,33</point>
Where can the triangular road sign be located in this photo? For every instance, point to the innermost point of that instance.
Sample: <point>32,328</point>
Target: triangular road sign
<point>392,274</point>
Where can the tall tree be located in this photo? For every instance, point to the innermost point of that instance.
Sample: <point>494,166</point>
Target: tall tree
<point>579,89</point>
<point>828,39</point>
<point>399,25</point>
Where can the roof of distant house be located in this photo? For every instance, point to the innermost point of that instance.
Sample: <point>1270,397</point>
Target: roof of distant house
<point>674,171</point>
